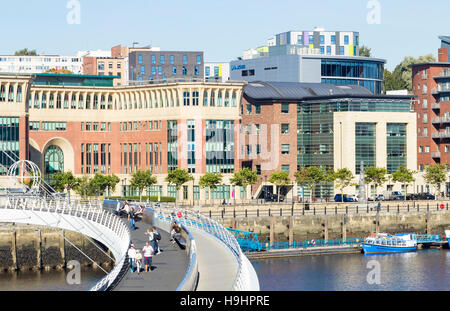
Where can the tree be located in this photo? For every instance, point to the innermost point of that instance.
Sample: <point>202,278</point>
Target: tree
<point>401,77</point>
<point>178,177</point>
<point>64,181</point>
<point>244,177</point>
<point>98,184</point>
<point>142,180</point>
<point>210,180</point>
<point>280,179</point>
<point>111,182</point>
<point>376,176</point>
<point>365,51</point>
<point>435,175</point>
<point>302,178</point>
<point>60,71</point>
<point>343,178</point>
<point>404,176</point>
<point>25,52</point>
<point>82,188</point>
<point>312,176</point>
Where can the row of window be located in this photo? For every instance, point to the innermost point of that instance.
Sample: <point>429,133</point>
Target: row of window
<point>131,157</point>
<point>101,65</point>
<point>95,126</point>
<point>95,158</point>
<point>48,126</point>
<point>158,70</point>
<point>162,59</point>
<point>10,95</point>
<point>138,126</point>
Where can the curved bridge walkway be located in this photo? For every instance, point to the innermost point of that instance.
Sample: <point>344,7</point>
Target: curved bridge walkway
<point>169,267</point>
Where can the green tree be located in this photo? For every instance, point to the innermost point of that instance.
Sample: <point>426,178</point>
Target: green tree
<point>64,181</point>
<point>404,176</point>
<point>82,188</point>
<point>280,179</point>
<point>111,183</point>
<point>401,77</point>
<point>26,52</point>
<point>376,176</point>
<point>343,178</point>
<point>311,177</point>
<point>302,178</point>
<point>365,51</point>
<point>141,180</point>
<point>98,184</point>
<point>210,181</point>
<point>178,177</point>
<point>244,177</point>
<point>435,175</point>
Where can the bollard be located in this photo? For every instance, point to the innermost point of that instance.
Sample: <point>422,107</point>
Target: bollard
<point>303,211</point>
<point>437,206</point>
<point>222,213</point>
<point>210,214</point>
<point>292,209</point>
<point>269,212</point>
<point>257,212</point>
<point>245,213</point>
<point>346,210</point>
<point>408,208</point>
<point>234,213</point>
<point>335,210</point>
<point>428,207</point>
<point>447,206</point>
<point>367,210</point>
<point>398,209</point>
<point>357,209</point>
<point>314,210</point>
<point>418,208</point>
<point>325,209</point>
<point>281,212</point>
<point>388,208</point>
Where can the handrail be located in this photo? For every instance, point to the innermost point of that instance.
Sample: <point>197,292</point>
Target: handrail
<point>88,213</point>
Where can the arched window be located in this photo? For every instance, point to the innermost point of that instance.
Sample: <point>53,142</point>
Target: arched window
<point>58,101</point>
<point>51,101</point>
<point>219,99</point>
<point>53,162</point>
<point>44,101</point>
<point>37,105</point>
<point>212,99</point>
<point>2,93</point>
<point>80,102</point>
<point>233,100</point>
<point>227,99</point>
<point>205,98</point>
<point>19,94</point>
<point>11,93</point>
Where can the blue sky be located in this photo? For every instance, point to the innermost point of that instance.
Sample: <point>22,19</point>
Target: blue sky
<point>222,29</point>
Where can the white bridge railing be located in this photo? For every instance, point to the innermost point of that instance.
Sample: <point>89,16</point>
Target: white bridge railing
<point>246,278</point>
<point>87,218</point>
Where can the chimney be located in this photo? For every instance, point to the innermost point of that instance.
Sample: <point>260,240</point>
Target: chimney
<point>443,55</point>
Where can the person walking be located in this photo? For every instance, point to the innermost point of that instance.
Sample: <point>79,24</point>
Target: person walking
<point>132,257</point>
<point>148,252</point>
<point>153,237</point>
<point>131,217</point>
<point>118,209</point>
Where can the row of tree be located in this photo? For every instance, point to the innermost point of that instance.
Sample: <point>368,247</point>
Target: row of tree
<point>310,177</point>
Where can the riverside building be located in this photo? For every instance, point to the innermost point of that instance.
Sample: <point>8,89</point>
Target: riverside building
<point>311,57</point>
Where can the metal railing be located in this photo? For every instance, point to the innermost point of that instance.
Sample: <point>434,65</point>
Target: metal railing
<point>208,225</point>
<point>311,244</point>
<point>92,215</point>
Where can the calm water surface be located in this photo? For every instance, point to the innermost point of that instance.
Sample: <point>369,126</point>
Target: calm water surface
<point>425,270</point>
<point>48,281</point>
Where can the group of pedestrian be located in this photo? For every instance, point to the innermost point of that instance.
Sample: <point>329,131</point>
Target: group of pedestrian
<point>150,249</point>
<point>131,212</point>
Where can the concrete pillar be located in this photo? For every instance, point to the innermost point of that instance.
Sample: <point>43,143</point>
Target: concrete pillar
<point>62,248</point>
<point>344,227</point>
<point>377,224</point>
<point>272,229</point>
<point>428,223</point>
<point>38,250</point>
<point>14,250</point>
<point>326,228</point>
<point>291,229</point>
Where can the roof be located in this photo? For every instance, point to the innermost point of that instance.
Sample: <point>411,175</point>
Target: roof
<point>446,39</point>
<point>307,91</point>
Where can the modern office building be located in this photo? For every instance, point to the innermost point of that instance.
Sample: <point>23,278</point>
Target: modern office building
<point>292,125</point>
<point>86,125</point>
<point>39,64</point>
<point>431,86</point>
<point>163,66</point>
<point>218,72</point>
<point>332,57</point>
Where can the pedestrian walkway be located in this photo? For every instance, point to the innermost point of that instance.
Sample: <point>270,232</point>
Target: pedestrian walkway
<point>216,264</point>
<point>169,267</point>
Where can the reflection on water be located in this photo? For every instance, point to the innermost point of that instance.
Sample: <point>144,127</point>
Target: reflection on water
<point>422,270</point>
<point>48,280</point>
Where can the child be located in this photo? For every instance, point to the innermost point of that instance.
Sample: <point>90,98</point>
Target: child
<point>138,261</point>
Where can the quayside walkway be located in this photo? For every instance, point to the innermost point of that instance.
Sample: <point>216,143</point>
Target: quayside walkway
<point>169,267</point>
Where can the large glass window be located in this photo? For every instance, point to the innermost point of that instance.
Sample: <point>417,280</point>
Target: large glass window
<point>53,162</point>
<point>396,146</point>
<point>365,139</point>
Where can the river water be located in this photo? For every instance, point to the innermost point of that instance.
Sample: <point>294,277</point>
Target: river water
<point>424,270</point>
<point>48,280</point>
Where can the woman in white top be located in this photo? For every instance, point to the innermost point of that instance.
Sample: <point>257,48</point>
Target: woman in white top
<point>132,257</point>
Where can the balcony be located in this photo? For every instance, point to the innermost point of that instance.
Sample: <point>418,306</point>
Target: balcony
<point>443,74</point>
<point>436,106</point>
<point>440,89</point>
<point>445,134</point>
<point>436,155</point>
<point>441,120</point>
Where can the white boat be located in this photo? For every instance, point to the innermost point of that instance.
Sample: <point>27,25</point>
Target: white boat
<point>384,243</point>
<point>447,236</point>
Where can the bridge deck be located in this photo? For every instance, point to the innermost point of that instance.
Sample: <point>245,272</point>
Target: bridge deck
<point>169,267</point>
<point>216,264</point>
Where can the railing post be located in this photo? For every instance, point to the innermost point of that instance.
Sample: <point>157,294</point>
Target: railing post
<point>346,210</point>
<point>245,213</point>
<point>257,212</point>
<point>388,208</point>
<point>335,210</point>
<point>325,210</point>
<point>418,207</point>
<point>314,210</point>
<point>222,213</point>
<point>398,208</point>
<point>408,208</point>
<point>269,212</point>
<point>428,207</point>
<point>357,209</point>
<point>281,211</point>
<point>210,214</point>
<point>303,211</point>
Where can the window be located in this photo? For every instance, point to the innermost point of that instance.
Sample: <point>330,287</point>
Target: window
<point>420,149</point>
<point>199,59</point>
<point>446,148</point>
<point>249,109</point>
<point>285,168</point>
<point>322,50</point>
<point>101,66</point>
<point>172,59</point>
<point>196,71</point>
<point>186,98</point>
<point>333,39</point>
<point>341,50</point>
<point>284,108</point>
<point>207,71</point>
<point>160,70</point>
<point>184,59</point>
<point>299,39</point>
<point>184,71</point>
<point>162,59</point>
<point>285,149</point>
<point>257,108</point>
<point>285,128</point>
<point>153,59</point>
<point>346,40</point>
<point>322,39</point>
<point>328,50</point>
<point>140,60</point>
<point>174,70</point>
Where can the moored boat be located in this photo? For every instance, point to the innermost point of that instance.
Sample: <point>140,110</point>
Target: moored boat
<point>384,243</point>
<point>447,236</point>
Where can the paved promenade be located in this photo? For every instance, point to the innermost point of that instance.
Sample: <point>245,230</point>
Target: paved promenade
<point>169,267</point>
<point>216,264</point>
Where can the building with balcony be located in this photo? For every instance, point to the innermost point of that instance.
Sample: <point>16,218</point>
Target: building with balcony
<point>29,64</point>
<point>431,86</point>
